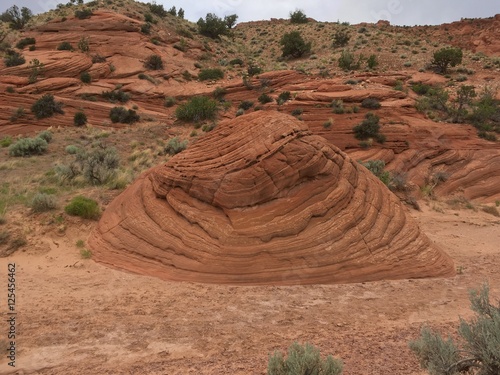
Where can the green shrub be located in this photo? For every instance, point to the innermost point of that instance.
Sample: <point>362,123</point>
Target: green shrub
<point>264,98</point>
<point>236,61</point>
<point>246,104</point>
<point>369,128</point>
<point>124,116</point>
<point>372,61</point>
<point>84,44</point>
<point>6,141</point>
<point>146,28</point>
<point>254,70</point>
<point>297,112</point>
<point>341,38</point>
<point>116,96</point>
<point>157,9</point>
<point>85,77</point>
<point>83,14</point>
<point>42,202</point>
<point>25,42</point>
<point>80,119</point>
<point>210,74</point>
<point>72,149</point>
<point>148,17</point>
<point>293,45</point>
<point>477,351</point>
<point>298,16</point>
<point>18,113</point>
<point>169,101</point>
<point>46,106</point>
<point>83,207</point>
<point>301,360</point>
<point>212,26</point>
<point>377,168</point>
<point>446,57</point>
<point>175,145</point>
<point>198,108</point>
<point>284,97</point>
<point>219,93</point>
<point>28,146</point>
<point>46,135</point>
<point>65,46</point>
<point>13,58</point>
<point>98,59</point>
<point>347,61</point>
<point>337,106</point>
<point>154,62</point>
<point>370,103</point>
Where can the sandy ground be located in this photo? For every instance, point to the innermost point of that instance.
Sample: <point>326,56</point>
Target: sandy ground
<point>78,317</point>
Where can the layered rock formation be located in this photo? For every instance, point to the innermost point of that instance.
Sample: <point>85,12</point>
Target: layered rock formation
<point>261,200</point>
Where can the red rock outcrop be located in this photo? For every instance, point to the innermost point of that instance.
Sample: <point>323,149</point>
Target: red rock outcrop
<point>261,200</point>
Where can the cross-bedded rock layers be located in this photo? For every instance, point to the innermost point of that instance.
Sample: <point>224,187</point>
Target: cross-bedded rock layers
<point>260,200</point>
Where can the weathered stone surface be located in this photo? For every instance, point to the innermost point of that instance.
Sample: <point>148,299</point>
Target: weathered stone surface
<point>261,200</point>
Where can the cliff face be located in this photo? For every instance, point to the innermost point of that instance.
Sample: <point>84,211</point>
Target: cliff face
<point>261,200</point>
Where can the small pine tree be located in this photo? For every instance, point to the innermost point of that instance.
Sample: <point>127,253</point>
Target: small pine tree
<point>298,16</point>
<point>446,57</point>
<point>294,45</point>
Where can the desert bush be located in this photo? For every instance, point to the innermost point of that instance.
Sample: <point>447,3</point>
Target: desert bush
<point>436,98</point>
<point>175,145</point>
<point>36,68</point>
<point>297,112</point>
<point>25,42</point>
<point>16,18</point>
<point>298,16</point>
<point>264,98</point>
<point>230,20</point>
<point>154,62</point>
<point>219,93</point>
<point>124,116</point>
<point>146,28</point>
<point>28,146</point>
<point>116,96</point>
<point>370,103</point>
<point>46,106</point>
<point>293,45</point>
<point>80,119</point>
<point>84,44</point>
<point>98,59</point>
<point>212,26</point>
<point>377,167</point>
<point>487,136</point>
<point>72,149</point>
<point>477,351</point>
<point>83,207</point>
<point>341,38</point>
<point>157,9</point>
<point>198,108</point>
<point>169,101</point>
<point>6,141</point>
<point>46,135</point>
<point>421,88</point>
<point>65,46</point>
<point>446,57</point>
<point>13,58</point>
<point>83,13</point>
<point>240,112</point>
<point>301,360</point>
<point>148,17</point>
<point>284,97</point>
<point>372,61</point>
<point>347,60</point>
<point>85,77</point>
<point>18,113</point>
<point>236,61</point>
<point>253,70</point>
<point>246,104</point>
<point>42,202</point>
<point>369,128</point>
<point>210,74</point>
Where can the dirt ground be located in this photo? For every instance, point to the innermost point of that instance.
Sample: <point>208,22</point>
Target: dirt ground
<point>78,317</point>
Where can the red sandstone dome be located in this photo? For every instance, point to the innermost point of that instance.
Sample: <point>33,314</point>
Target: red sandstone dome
<point>260,200</point>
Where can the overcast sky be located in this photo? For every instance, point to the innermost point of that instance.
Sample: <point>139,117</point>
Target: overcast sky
<point>398,12</point>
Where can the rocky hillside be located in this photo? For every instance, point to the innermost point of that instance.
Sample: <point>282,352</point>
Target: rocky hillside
<point>94,64</point>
